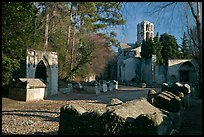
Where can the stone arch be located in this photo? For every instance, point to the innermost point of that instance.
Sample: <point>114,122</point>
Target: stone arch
<point>187,72</point>
<point>43,71</point>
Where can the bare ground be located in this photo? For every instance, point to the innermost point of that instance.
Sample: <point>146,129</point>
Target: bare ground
<point>42,117</point>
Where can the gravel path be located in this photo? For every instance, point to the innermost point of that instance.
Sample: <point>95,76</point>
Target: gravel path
<point>42,117</point>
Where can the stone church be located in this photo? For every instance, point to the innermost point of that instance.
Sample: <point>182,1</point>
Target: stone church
<point>131,67</point>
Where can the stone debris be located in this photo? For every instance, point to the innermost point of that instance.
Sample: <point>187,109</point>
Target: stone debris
<point>131,117</point>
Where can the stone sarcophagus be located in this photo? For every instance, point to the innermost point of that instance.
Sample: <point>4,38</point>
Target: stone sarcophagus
<point>27,89</point>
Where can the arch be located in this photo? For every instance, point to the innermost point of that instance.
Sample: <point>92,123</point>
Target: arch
<point>187,72</point>
<point>43,71</point>
<point>147,27</point>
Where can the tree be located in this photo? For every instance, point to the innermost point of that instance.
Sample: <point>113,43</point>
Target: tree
<point>58,26</point>
<point>147,48</point>
<point>158,49</point>
<point>169,47</point>
<point>17,33</point>
<point>185,50</point>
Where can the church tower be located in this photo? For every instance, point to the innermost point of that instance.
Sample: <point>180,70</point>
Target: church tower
<point>144,29</point>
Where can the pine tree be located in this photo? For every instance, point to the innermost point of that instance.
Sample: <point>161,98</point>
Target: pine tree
<point>185,50</point>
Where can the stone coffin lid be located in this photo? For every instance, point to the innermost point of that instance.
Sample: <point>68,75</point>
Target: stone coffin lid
<point>29,83</point>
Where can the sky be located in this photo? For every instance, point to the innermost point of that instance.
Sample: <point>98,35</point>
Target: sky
<point>170,20</point>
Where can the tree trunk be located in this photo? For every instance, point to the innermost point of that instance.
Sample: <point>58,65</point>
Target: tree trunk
<point>198,28</point>
<point>73,44</point>
<point>198,24</point>
<point>68,35</point>
<point>46,26</point>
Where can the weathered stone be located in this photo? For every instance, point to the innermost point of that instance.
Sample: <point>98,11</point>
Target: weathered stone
<point>167,101</point>
<point>181,95</point>
<point>115,84</point>
<point>151,92</point>
<point>120,119</point>
<point>165,87</point>
<point>133,117</point>
<point>152,124</point>
<point>70,122</point>
<point>143,85</point>
<point>114,102</point>
<point>92,89</point>
<point>103,87</point>
<point>186,89</point>
<point>27,89</point>
<point>66,89</point>
<point>110,85</point>
<point>176,88</point>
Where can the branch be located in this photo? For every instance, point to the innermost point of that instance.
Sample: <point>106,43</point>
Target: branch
<point>190,33</point>
<point>163,7</point>
<point>192,9</point>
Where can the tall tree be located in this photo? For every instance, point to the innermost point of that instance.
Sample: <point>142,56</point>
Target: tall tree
<point>169,47</point>
<point>147,49</point>
<point>17,34</point>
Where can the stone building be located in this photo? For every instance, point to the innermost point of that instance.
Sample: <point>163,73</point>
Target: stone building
<point>145,29</point>
<point>131,67</point>
<point>43,65</point>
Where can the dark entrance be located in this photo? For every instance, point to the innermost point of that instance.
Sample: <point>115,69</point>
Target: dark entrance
<point>187,72</point>
<point>41,71</point>
<point>184,76</point>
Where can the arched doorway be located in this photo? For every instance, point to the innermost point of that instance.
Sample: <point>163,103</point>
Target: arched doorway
<point>41,71</point>
<point>187,72</point>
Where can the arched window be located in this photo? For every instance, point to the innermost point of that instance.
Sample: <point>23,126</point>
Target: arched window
<point>147,27</point>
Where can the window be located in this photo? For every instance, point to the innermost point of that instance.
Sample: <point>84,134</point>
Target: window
<point>147,27</point>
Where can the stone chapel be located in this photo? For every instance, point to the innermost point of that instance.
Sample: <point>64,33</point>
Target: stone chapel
<point>131,67</point>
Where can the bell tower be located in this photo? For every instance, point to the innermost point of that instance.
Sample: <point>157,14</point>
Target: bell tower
<point>144,29</point>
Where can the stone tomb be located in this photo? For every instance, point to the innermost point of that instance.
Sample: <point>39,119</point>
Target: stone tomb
<point>27,89</point>
<point>43,65</point>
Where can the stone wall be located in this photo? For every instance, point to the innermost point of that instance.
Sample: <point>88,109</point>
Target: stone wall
<point>160,74</point>
<point>173,69</point>
<point>146,71</point>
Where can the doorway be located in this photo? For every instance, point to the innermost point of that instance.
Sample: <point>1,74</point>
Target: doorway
<point>41,71</point>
